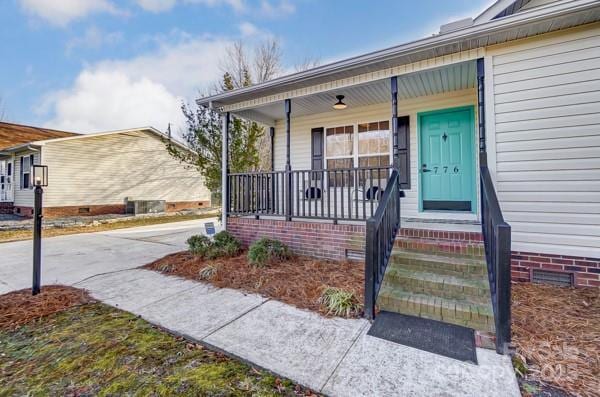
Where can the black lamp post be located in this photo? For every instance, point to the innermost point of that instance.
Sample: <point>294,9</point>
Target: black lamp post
<point>39,178</point>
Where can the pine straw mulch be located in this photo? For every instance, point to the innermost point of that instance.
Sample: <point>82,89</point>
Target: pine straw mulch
<point>556,332</point>
<point>20,307</point>
<point>299,281</point>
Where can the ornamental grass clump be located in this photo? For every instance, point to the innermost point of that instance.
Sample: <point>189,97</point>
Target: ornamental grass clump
<point>207,272</point>
<point>222,245</point>
<point>339,302</point>
<point>267,251</point>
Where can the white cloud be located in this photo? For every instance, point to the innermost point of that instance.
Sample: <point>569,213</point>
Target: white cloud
<point>165,5</point>
<point>282,8</point>
<point>156,5</point>
<point>93,38</point>
<point>145,90</point>
<point>247,29</point>
<point>61,12</point>
<point>237,5</point>
<point>104,100</point>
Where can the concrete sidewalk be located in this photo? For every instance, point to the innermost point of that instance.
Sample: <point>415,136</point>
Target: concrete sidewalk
<point>333,356</point>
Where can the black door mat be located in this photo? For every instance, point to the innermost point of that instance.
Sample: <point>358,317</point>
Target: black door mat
<point>432,336</point>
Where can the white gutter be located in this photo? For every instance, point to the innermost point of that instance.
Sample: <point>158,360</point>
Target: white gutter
<point>512,21</point>
<point>26,146</point>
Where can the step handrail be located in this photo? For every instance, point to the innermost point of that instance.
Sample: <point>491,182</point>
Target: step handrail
<point>497,240</point>
<point>381,234</point>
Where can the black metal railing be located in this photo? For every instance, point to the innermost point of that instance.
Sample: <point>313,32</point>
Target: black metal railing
<point>333,194</point>
<point>496,236</point>
<point>381,234</point>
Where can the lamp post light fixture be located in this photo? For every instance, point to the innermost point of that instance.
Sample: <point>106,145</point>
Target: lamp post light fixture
<point>39,179</point>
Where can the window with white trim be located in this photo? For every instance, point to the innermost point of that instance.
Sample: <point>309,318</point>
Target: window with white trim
<point>374,144</point>
<point>339,152</point>
<point>366,146</point>
<point>25,174</point>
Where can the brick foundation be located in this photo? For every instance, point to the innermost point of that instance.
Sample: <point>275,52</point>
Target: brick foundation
<point>586,270</point>
<point>321,240</point>
<point>82,210</point>
<point>26,212</point>
<point>186,205</point>
<point>7,207</point>
<point>90,210</point>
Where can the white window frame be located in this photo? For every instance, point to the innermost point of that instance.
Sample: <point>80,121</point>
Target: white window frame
<point>355,156</point>
<point>31,158</point>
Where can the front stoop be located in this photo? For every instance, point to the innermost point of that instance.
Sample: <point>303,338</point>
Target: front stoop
<point>439,279</point>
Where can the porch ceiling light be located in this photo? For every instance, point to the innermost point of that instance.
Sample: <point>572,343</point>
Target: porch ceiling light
<point>339,105</point>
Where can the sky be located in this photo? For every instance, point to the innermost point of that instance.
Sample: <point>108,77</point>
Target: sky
<point>98,65</point>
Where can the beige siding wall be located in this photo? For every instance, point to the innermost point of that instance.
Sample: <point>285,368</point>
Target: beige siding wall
<point>107,169</point>
<point>544,106</point>
<point>23,197</point>
<point>301,145</point>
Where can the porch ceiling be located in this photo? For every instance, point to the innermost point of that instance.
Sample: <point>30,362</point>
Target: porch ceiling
<point>454,77</point>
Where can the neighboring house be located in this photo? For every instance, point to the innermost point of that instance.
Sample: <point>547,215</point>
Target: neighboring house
<point>94,174</point>
<point>504,105</point>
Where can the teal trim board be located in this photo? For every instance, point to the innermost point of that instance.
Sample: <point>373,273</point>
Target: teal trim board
<point>446,160</point>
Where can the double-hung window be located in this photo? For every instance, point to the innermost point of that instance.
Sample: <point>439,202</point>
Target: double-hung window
<point>339,151</point>
<point>366,146</point>
<point>25,174</point>
<point>374,144</point>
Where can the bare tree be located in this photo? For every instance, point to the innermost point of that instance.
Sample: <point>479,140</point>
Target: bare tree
<point>235,67</point>
<point>242,68</point>
<point>307,63</point>
<point>267,60</point>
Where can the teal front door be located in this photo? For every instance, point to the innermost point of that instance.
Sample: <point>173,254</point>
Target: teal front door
<point>446,160</point>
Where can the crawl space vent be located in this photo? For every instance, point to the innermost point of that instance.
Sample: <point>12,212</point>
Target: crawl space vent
<point>355,255</point>
<point>561,279</point>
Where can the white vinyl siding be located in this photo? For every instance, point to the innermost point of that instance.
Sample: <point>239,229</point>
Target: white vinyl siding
<point>300,137</point>
<point>546,100</point>
<point>107,169</point>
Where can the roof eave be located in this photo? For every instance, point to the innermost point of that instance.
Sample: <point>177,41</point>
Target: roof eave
<point>407,48</point>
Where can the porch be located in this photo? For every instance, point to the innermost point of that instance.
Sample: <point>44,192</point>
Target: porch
<point>345,182</point>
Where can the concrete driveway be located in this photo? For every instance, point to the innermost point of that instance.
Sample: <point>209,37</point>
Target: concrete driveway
<point>73,258</point>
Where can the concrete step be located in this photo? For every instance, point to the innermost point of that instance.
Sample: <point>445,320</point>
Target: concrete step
<point>441,264</point>
<point>478,316</point>
<point>468,288</point>
<point>465,249</point>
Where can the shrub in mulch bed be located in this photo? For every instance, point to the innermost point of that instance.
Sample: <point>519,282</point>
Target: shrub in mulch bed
<point>556,332</point>
<point>299,281</point>
<point>20,307</point>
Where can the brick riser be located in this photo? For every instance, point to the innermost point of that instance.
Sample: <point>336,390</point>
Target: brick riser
<point>452,247</point>
<point>440,241</point>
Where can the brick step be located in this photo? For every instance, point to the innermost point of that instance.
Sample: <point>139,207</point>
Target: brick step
<point>470,288</point>
<point>446,235</point>
<point>478,316</point>
<point>441,264</point>
<point>445,247</point>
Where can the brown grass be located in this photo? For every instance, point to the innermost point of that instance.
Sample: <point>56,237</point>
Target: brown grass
<point>298,281</point>
<point>17,235</point>
<point>20,307</point>
<point>557,334</point>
